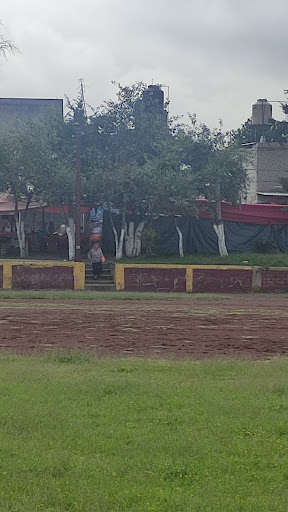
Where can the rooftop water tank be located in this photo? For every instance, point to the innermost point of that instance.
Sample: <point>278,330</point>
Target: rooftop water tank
<point>153,98</point>
<point>261,112</point>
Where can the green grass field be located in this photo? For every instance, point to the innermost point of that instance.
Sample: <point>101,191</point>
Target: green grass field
<point>106,296</point>
<point>86,435</point>
<point>253,258</point>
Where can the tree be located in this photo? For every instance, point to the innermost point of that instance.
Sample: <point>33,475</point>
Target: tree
<point>218,167</point>
<point>27,163</point>
<point>224,179</point>
<point>135,164</point>
<point>61,187</point>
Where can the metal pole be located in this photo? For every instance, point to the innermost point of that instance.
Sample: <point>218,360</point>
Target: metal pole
<point>78,196</point>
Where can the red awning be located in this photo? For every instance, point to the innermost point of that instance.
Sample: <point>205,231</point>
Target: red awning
<point>7,205</point>
<point>249,213</point>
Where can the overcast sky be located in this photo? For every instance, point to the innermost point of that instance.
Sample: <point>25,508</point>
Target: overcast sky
<point>217,56</point>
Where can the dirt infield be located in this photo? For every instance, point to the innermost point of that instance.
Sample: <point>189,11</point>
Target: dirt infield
<point>242,325</point>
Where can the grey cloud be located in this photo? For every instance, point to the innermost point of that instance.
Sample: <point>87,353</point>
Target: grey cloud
<point>215,54</point>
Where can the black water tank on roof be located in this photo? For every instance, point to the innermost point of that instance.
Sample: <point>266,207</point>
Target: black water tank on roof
<point>153,98</point>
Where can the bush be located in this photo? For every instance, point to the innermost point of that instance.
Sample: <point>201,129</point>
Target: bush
<point>264,246</point>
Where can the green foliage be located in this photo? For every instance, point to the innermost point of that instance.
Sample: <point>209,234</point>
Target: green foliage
<point>149,239</point>
<point>135,160</point>
<point>264,246</point>
<point>224,176</point>
<point>238,258</point>
<point>29,157</point>
<point>217,165</point>
<point>138,435</point>
<point>106,296</point>
<point>276,131</point>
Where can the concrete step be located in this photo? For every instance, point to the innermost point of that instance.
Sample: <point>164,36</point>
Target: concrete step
<point>88,268</point>
<point>101,281</point>
<point>104,277</point>
<point>90,273</point>
<point>100,287</point>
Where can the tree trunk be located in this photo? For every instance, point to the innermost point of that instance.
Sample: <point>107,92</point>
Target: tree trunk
<point>70,229</point>
<point>219,226</point>
<point>20,233</point>
<point>180,239</point>
<point>119,241</point>
<point>119,253</point>
<point>138,239</point>
<point>219,229</point>
<point>129,240</point>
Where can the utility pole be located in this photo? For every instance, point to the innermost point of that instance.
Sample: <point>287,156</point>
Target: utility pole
<point>82,117</point>
<point>78,195</point>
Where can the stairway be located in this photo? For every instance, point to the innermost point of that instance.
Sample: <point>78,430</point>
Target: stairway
<point>104,283</point>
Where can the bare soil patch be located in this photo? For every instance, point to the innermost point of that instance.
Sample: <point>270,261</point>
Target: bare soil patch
<point>244,325</point>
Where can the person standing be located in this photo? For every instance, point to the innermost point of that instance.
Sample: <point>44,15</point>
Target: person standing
<point>96,256</point>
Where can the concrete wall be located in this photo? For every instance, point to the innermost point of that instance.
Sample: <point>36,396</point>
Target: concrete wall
<point>250,195</point>
<point>199,278</point>
<point>266,164</point>
<point>42,275</point>
<point>272,163</point>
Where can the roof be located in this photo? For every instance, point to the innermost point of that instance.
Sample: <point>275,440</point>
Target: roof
<point>7,205</point>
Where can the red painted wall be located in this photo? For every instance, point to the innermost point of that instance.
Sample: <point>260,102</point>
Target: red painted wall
<point>227,281</point>
<point>273,280</point>
<point>155,279</point>
<point>37,278</point>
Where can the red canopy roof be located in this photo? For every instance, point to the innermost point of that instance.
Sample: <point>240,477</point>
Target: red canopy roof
<point>250,213</point>
<point>7,205</point>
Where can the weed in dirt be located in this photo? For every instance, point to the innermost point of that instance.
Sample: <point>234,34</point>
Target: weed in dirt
<point>140,435</point>
<point>107,296</point>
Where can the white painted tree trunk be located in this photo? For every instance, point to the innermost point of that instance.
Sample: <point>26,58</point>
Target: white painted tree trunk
<point>180,240</point>
<point>218,225</point>
<point>119,248</point>
<point>129,239</point>
<point>219,229</point>
<point>119,241</point>
<point>138,239</point>
<point>21,235</point>
<point>71,239</point>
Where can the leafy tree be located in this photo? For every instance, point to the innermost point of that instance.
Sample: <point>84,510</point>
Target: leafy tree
<point>27,164</point>
<point>218,167</point>
<point>224,179</point>
<point>135,164</point>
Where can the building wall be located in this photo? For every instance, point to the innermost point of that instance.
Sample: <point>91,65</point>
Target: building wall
<point>28,108</point>
<point>266,164</point>
<point>250,195</point>
<point>272,164</point>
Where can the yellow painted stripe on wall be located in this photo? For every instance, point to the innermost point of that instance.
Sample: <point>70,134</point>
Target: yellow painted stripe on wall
<point>211,267</point>
<point>119,277</point>
<point>189,279</point>
<point>79,276</point>
<point>40,263</point>
<point>7,275</point>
